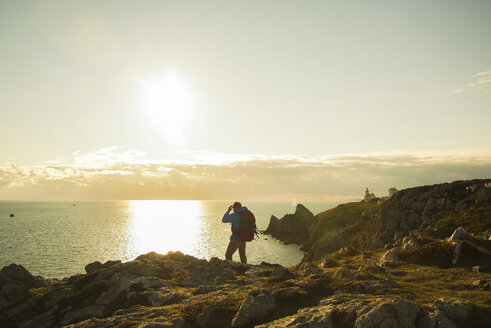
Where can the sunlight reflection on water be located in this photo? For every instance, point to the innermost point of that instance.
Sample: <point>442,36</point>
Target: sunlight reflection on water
<point>163,226</point>
<point>57,239</point>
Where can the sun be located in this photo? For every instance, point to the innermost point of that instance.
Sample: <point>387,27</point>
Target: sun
<point>167,105</point>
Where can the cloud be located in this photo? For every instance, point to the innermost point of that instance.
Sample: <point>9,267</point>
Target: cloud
<point>481,83</point>
<point>117,173</point>
<point>107,156</point>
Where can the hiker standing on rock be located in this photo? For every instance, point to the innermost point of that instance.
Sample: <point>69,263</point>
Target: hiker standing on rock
<point>243,229</point>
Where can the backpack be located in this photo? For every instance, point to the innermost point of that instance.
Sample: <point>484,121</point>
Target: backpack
<point>248,229</point>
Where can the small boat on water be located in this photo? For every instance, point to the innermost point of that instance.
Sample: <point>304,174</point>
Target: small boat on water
<point>12,215</point>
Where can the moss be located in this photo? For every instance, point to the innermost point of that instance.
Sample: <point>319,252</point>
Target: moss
<point>41,291</point>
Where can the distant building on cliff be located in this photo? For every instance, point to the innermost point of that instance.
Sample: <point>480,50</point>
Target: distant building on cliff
<point>369,196</point>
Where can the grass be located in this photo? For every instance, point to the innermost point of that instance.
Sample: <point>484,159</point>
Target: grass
<point>353,208</point>
<point>420,283</point>
<point>426,284</point>
<point>475,220</point>
<point>440,252</point>
<point>338,227</point>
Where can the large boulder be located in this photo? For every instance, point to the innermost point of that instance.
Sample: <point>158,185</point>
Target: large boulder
<point>215,272</point>
<point>116,288</point>
<point>389,313</point>
<point>258,305</point>
<point>263,304</point>
<point>460,234</point>
<point>281,273</point>
<point>389,257</point>
<point>319,317</point>
<point>83,313</point>
<point>484,195</point>
<point>358,313</point>
<point>15,283</point>
<point>328,262</point>
<point>91,267</point>
<point>453,312</point>
<point>344,274</point>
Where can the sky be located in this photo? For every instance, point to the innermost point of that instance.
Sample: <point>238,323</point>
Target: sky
<point>268,100</point>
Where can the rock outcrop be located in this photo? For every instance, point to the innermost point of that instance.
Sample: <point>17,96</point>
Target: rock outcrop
<point>438,209</point>
<point>292,228</point>
<point>15,283</point>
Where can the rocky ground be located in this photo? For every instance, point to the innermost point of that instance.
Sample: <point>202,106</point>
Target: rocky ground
<point>415,278</point>
<point>176,290</point>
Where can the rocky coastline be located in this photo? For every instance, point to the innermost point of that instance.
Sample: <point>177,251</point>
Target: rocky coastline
<point>411,216</point>
<point>419,259</point>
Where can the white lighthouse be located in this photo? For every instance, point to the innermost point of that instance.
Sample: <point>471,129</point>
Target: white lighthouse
<point>369,196</point>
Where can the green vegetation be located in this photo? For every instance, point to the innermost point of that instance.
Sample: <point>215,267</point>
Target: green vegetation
<point>433,252</point>
<point>338,227</point>
<point>426,284</point>
<point>422,284</point>
<point>475,220</point>
<point>340,211</point>
<point>41,291</point>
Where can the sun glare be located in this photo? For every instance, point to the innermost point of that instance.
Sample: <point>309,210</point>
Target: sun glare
<point>167,106</point>
<point>151,231</point>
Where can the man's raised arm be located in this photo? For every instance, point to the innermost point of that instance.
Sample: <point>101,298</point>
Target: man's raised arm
<point>227,217</point>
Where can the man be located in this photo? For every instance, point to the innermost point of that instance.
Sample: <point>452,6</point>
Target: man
<point>235,242</point>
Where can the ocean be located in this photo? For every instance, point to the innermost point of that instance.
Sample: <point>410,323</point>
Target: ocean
<point>58,239</point>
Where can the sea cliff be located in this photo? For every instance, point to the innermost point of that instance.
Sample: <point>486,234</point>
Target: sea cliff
<point>423,214</point>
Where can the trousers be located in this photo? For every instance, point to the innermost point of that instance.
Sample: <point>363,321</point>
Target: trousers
<point>233,246</point>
